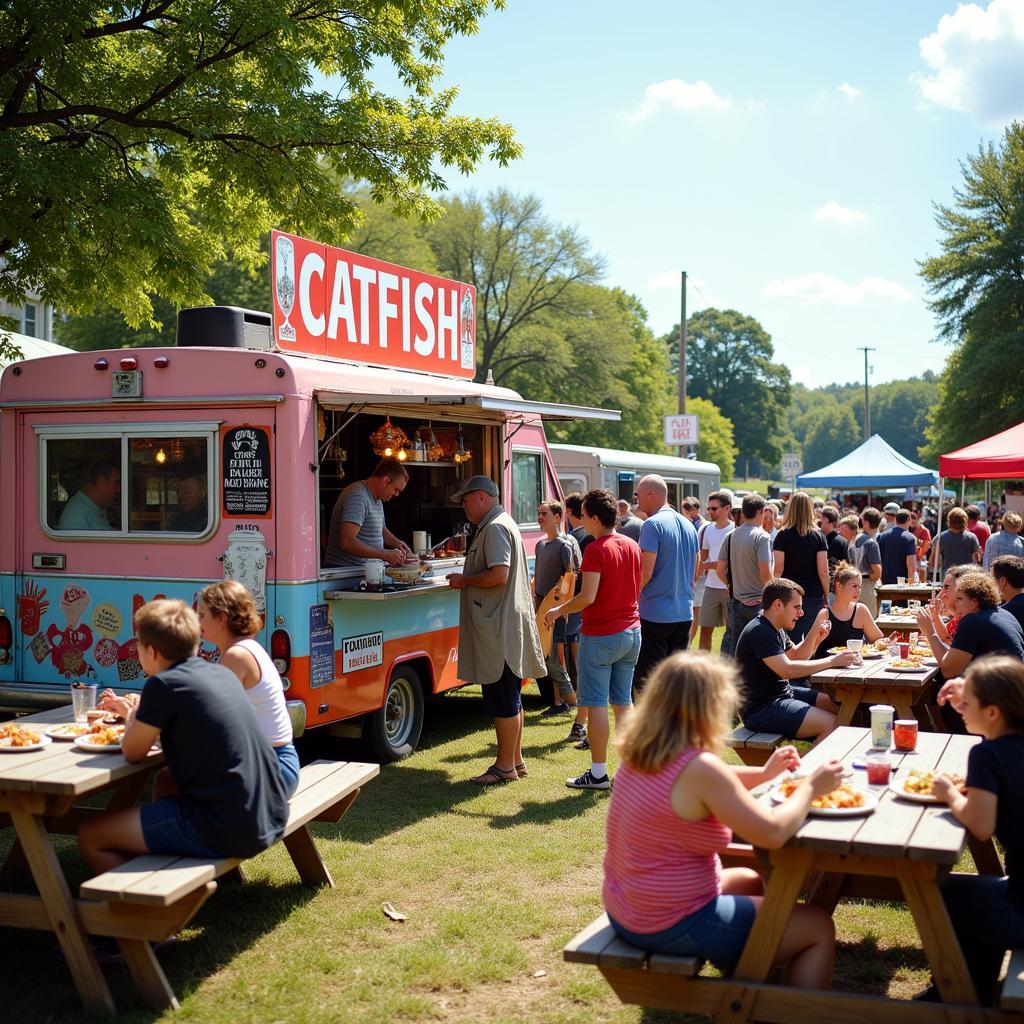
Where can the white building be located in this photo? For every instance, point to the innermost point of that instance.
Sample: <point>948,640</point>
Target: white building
<point>34,318</point>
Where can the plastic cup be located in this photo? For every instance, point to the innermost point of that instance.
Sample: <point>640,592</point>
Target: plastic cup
<point>904,734</point>
<point>83,700</point>
<point>854,645</point>
<point>879,768</point>
<point>881,725</point>
<point>903,650</point>
<point>373,572</point>
<point>901,581</point>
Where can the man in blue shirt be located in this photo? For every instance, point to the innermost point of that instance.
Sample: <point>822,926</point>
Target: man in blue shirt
<point>86,509</point>
<point>668,542</point>
<point>898,548</point>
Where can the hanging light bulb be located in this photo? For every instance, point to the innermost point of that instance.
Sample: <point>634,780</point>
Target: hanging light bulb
<point>435,450</point>
<point>387,439</point>
<point>462,454</point>
<point>161,456</point>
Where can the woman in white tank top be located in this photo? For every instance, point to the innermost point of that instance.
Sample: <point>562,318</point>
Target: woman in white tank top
<point>228,617</point>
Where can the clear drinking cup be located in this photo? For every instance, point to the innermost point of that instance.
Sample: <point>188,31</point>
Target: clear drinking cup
<point>83,700</point>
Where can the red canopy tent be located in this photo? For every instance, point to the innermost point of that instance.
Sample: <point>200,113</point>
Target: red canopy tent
<point>998,457</point>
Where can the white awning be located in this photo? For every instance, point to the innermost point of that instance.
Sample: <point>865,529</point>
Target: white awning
<point>456,404</point>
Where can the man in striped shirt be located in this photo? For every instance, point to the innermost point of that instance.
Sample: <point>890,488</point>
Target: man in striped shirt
<point>1005,541</point>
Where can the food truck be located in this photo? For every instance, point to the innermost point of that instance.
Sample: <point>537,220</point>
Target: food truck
<point>581,467</point>
<point>230,450</point>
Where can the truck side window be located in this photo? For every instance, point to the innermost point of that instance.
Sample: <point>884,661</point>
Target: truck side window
<point>166,489</point>
<point>527,486</point>
<point>83,484</point>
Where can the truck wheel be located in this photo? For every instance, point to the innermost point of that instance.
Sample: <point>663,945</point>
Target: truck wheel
<point>393,732</point>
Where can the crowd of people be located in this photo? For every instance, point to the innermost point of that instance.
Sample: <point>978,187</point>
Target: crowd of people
<point>790,585</point>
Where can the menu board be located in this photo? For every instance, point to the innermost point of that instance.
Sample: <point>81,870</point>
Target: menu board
<point>246,467</point>
<point>321,647</point>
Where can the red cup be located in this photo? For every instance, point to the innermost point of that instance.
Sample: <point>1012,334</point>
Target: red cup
<point>904,734</point>
<point>903,650</point>
<point>879,768</point>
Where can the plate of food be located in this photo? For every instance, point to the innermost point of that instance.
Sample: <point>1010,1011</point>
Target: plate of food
<point>916,785</point>
<point>844,802</point>
<point>101,740</point>
<point>17,739</point>
<point>907,665</point>
<point>68,730</point>
<point>408,573</point>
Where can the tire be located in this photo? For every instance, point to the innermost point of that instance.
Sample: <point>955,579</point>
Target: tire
<point>392,733</point>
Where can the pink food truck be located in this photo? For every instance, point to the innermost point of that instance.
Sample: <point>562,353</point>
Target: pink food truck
<point>222,457</point>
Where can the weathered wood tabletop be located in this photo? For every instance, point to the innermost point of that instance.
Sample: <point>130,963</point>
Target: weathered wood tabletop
<point>38,793</point>
<point>911,693</point>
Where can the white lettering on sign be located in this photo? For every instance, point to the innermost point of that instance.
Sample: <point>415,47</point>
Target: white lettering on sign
<point>359,652</point>
<point>683,429</point>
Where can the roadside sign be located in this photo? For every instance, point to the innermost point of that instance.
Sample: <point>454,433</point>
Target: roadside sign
<point>682,430</point>
<point>791,466</point>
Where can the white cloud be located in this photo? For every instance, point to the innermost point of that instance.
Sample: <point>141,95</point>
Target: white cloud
<point>678,95</point>
<point>818,289</point>
<point>851,92</point>
<point>833,211</point>
<point>976,61</point>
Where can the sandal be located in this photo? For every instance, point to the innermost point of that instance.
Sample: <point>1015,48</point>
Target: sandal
<point>494,776</point>
<point>521,771</point>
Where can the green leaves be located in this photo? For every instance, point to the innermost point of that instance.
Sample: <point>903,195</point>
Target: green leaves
<point>139,145</point>
<point>977,288</point>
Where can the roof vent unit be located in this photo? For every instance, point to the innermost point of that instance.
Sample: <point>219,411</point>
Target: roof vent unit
<point>224,327</point>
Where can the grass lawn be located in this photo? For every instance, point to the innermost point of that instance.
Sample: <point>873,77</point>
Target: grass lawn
<point>493,881</point>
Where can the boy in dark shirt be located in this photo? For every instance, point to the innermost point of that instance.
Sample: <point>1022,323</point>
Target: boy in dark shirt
<point>768,659</point>
<point>1008,571</point>
<point>222,795</point>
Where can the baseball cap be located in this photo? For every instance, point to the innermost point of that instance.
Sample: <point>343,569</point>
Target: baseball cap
<point>476,483</point>
<point>892,508</point>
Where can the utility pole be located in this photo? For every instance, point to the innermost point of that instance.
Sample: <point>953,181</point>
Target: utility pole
<point>867,398</point>
<point>682,348</point>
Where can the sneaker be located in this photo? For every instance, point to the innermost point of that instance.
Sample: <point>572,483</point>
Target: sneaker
<point>557,709</point>
<point>577,732</point>
<point>587,781</point>
<point>584,744</point>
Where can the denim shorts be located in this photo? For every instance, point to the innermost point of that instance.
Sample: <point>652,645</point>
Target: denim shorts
<point>166,830</point>
<point>784,715</point>
<point>288,762</point>
<point>605,668</point>
<point>717,932</point>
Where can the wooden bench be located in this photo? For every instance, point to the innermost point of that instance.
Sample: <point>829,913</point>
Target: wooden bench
<point>152,897</point>
<point>599,944</point>
<point>754,748</point>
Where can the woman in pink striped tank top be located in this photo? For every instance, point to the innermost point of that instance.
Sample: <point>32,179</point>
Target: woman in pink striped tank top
<point>674,807</point>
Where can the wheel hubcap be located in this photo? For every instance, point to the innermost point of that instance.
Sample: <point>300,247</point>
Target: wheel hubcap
<point>398,715</point>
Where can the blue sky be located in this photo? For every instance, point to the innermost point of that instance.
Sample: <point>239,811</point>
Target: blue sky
<point>786,155</point>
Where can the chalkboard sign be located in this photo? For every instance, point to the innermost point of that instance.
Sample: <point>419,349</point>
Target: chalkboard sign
<point>246,464</point>
<point>321,647</point>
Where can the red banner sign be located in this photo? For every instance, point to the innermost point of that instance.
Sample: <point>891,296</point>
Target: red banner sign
<point>331,302</point>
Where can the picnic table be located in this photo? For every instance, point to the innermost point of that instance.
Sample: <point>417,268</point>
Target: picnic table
<point>889,624</point>
<point>39,791</point>
<point>909,591</point>
<point>912,694</point>
<point>901,851</point>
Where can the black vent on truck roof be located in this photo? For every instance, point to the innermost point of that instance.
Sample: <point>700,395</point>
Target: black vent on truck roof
<point>224,327</point>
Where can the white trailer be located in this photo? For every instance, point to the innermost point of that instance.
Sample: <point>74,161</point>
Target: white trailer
<point>583,467</point>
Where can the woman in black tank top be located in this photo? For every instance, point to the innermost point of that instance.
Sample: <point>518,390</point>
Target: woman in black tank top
<point>850,620</point>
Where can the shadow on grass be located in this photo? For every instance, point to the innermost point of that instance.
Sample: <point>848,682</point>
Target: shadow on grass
<point>572,805</point>
<point>232,920</point>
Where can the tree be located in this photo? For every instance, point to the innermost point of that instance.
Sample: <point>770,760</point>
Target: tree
<point>977,288</point>
<point>716,436</point>
<point>830,436</point>
<point>899,413</point>
<point>728,361</point>
<point>141,143</point>
<point>529,273</point>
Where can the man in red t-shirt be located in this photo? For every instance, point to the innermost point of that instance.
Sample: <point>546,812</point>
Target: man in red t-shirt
<point>610,638</point>
<point>979,528</point>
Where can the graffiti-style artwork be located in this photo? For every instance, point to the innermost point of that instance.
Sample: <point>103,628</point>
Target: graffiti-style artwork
<point>40,648</point>
<point>128,666</point>
<point>69,645</point>
<point>246,562</point>
<point>107,621</point>
<point>31,608</point>
<point>106,652</point>
<point>138,601</point>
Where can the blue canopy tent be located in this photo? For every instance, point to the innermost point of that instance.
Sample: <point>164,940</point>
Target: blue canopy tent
<point>874,465</point>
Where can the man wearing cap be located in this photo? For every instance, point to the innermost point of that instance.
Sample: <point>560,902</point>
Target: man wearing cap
<point>889,521</point>
<point>357,531</point>
<point>498,641</point>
